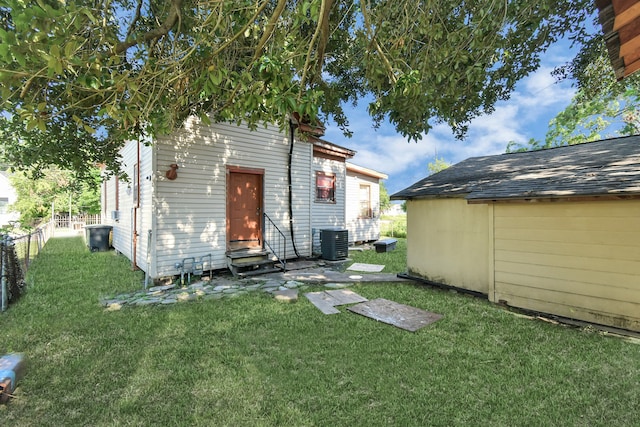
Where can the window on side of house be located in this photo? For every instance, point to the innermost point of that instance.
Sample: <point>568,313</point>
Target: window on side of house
<point>365,202</point>
<point>325,187</point>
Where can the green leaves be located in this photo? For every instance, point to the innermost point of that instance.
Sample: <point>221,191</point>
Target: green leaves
<point>111,72</point>
<point>38,189</point>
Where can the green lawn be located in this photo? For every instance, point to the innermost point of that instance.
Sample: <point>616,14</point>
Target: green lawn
<point>252,361</point>
<point>394,261</point>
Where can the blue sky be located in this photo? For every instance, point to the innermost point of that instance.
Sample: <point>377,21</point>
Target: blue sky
<point>536,100</point>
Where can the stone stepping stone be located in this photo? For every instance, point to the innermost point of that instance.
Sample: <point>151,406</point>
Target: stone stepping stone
<point>292,284</point>
<point>161,288</point>
<point>148,301</point>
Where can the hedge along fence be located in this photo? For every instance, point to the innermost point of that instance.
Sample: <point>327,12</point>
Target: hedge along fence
<point>16,253</point>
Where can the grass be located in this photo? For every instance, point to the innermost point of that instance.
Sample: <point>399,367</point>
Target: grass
<point>393,225</point>
<point>256,362</point>
<point>394,261</point>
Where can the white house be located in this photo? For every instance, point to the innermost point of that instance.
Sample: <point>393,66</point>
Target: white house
<point>8,196</point>
<point>224,194</point>
<point>363,206</point>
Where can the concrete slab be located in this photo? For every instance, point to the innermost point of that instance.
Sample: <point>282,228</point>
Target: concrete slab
<point>345,296</point>
<point>327,275</point>
<point>369,268</point>
<point>396,314</point>
<point>323,302</point>
<point>326,301</point>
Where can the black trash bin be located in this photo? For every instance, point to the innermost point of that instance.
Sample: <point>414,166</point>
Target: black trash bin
<point>97,237</point>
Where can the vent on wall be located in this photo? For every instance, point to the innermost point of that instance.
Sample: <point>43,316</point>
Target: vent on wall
<point>115,215</point>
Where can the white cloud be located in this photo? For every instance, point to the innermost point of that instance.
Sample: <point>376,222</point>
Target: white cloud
<point>392,154</point>
<point>541,90</point>
<point>537,99</point>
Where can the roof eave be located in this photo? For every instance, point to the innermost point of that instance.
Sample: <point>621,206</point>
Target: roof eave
<point>620,22</point>
<point>428,196</point>
<point>554,198</point>
<point>329,148</point>
<point>366,171</point>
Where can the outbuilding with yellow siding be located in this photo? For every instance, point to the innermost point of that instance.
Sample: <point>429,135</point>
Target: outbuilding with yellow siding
<point>555,231</point>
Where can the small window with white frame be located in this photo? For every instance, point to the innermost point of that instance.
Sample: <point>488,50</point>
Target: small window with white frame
<point>325,187</point>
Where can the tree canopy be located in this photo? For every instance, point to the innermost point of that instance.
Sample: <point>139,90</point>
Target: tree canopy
<point>58,187</point>
<point>77,78</point>
<point>438,164</point>
<point>602,106</point>
<point>601,100</point>
<point>385,200</point>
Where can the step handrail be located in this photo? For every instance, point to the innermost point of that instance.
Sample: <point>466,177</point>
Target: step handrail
<point>275,240</point>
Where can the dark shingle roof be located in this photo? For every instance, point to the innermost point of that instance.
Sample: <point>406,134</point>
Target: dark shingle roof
<point>608,167</point>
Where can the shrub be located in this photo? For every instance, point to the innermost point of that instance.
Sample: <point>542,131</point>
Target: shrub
<point>393,226</point>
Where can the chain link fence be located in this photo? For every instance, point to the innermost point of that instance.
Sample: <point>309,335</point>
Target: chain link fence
<point>16,253</point>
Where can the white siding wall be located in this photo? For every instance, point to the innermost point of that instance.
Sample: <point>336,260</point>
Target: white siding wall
<point>362,229</point>
<point>8,192</point>
<point>108,200</point>
<point>323,214</point>
<point>188,215</point>
<point>302,197</point>
<point>190,212</point>
<point>123,227</point>
<point>145,245</point>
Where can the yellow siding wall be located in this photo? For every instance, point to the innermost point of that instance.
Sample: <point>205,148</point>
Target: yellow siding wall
<point>448,241</point>
<point>575,259</point>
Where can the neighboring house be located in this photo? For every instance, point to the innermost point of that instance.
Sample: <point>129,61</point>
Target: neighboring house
<point>395,210</point>
<point>555,231</point>
<point>363,203</point>
<point>204,190</point>
<point>8,197</point>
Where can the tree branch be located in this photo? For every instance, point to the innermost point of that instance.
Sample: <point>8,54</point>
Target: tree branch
<point>135,20</point>
<point>243,29</point>
<point>324,36</point>
<point>269,28</point>
<point>172,19</point>
<point>383,57</point>
<point>324,15</point>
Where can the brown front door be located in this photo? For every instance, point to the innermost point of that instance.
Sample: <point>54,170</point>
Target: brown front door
<point>244,210</point>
